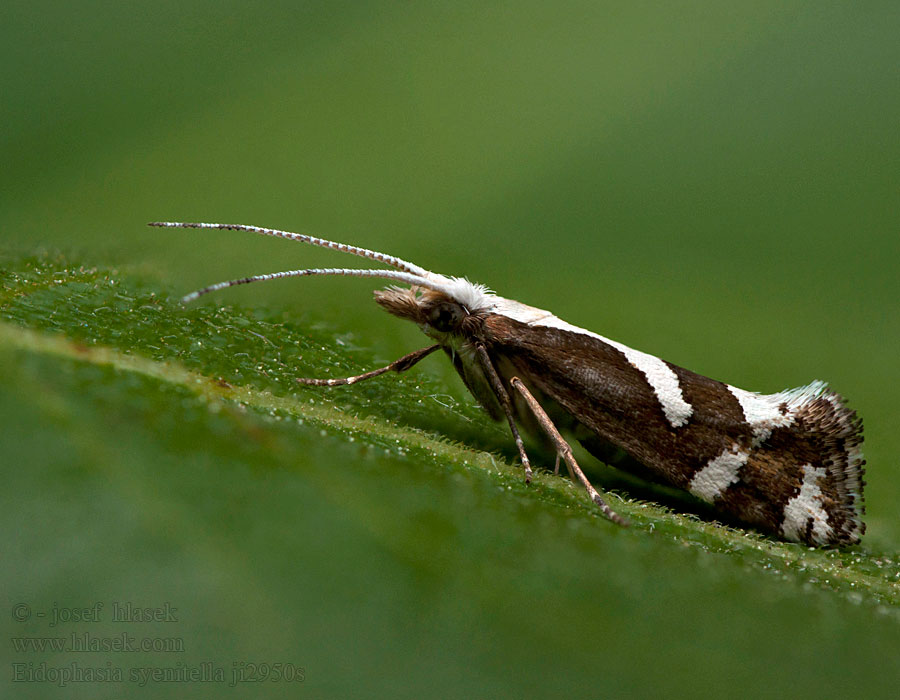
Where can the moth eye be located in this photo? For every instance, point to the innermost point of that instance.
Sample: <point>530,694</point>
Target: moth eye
<point>445,317</point>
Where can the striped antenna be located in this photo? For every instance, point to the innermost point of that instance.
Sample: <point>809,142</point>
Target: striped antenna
<point>389,260</point>
<point>395,275</point>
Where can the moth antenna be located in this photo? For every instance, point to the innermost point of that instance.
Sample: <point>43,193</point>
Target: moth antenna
<point>390,260</point>
<point>395,275</point>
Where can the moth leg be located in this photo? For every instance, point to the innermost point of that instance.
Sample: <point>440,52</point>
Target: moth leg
<point>401,365</point>
<point>503,397</point>
<point>563,449</point>
<point>556,466</point>
<point>568,468</point>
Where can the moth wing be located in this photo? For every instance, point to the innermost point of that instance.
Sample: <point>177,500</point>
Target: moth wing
<point>796,471</point>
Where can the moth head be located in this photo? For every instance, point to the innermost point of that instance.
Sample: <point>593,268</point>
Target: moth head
<point>435,312</point>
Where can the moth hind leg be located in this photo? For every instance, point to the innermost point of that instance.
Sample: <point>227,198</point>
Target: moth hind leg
<point>564,450</point>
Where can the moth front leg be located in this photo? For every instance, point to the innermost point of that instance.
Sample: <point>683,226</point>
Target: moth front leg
<point>563,449</point>
<point>401,365</point>
<point>503,397</point>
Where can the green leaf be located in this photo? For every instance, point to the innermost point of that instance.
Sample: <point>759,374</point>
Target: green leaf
<point>378,534</point>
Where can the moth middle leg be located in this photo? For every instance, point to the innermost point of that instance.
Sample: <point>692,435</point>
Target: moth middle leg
<point>503,397</point>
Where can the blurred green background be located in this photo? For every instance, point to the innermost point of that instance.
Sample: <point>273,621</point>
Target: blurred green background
<point>715,183</point>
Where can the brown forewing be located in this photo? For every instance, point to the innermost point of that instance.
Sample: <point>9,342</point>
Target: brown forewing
<point>595,384</point>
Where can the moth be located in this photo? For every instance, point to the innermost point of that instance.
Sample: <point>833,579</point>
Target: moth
<point>788,464</point>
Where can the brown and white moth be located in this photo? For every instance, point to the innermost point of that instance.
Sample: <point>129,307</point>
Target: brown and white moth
<point>788,464</point>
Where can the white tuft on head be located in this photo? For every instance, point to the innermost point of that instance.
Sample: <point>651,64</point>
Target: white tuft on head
<point>474,297</point>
